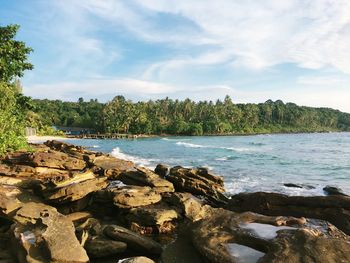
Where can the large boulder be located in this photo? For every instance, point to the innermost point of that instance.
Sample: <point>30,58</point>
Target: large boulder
<point>133,240</point>
<point>334,209</point>
<point>198,182</point>
<point>42,234</point>
<point>146,177</point>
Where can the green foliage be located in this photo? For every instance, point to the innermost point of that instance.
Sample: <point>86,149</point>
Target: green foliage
<point>11,122</point>
<point>187,117</point>
<point>13,54</point>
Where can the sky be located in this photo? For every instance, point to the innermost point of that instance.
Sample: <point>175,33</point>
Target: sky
<point>294,50</point>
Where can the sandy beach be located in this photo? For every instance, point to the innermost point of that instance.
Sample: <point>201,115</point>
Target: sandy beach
<point>41,139</point>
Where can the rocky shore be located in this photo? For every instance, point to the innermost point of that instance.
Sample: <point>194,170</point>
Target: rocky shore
<point>63,203</point>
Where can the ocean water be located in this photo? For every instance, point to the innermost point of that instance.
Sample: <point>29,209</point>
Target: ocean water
<point>248,163</point>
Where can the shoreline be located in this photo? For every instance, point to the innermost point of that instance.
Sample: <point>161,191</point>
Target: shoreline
<point>42,139</point>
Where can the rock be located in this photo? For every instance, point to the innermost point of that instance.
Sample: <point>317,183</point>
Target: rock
<point>79,217</point>
<point>152,219</point>
<point>102,247</point>
<point>46,235</point>
<point>134,241</point>
<point>299,186</point>
<point>198,182</point>
<point>73,191</point>
<point>136,260</point>
<point>12,198</point>
<point>134,196</point>
<point>162,170</point>
<point>72,150</point>
<point>145,177</point>
<point>110,166</point>
<point>191,207</point>
<point>225,236</point>
<point>51,159</point>
<point>6,255</point>
<point>333,190</point>
<point>334,209</point>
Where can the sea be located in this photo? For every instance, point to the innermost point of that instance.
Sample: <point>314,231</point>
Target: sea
<point>247,163</point>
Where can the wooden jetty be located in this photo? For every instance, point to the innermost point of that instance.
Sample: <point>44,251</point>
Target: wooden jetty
<point>107,136</point>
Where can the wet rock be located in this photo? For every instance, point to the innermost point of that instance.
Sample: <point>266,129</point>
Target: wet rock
<point>226,236</point>
<point>134,196</point>
<point>334,209</point>
<point>102,247</point>
<point>162,170</point>
<point>110,166</point>
<point>134,241</point>
<point>198,182</point>
<point>6,255</point>
<point>45,235</point>
<point>146,177</point>
<point>333,190</point>
<point>136,260</point>
<point>299,186</point>
<point>73,191</point>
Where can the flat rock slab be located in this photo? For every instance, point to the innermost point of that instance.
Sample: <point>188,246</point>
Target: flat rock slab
<point>51,159</point>
<point>74,191</point>
<point>150,216</point>
<point>110,166</point>
<point>133,240</point>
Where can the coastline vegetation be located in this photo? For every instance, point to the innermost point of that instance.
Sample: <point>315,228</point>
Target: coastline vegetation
<point>175,117</point>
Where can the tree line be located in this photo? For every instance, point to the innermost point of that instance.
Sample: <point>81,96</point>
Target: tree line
<point>187,117</point>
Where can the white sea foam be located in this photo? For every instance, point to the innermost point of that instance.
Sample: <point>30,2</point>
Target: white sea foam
<point>240,149</point>
<point>95,146</point>
<point>221,159</point>
<point>116,152</point>
<point>192,145</point>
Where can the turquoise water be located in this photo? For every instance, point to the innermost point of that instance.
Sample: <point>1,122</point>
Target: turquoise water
<point>248,163</point>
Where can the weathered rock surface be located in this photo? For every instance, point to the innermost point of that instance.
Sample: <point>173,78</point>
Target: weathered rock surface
<point>45,235</point>
<point>225,236</point>
<point>134,196</point>
<point>189,206</point>
<point>199,182</point>
<point>133,240</point>
<point>145,177</point>
<point>51,159</point>
<point>334,209</point>
<point>110,166</point>
<point>73,191</point>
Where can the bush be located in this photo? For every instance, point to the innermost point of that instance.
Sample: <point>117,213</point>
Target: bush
<point>11,123</point>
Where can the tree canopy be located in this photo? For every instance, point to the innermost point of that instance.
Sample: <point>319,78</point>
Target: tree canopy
<point>13,54</point>
<point>13,105</point>
<point>187,117</point>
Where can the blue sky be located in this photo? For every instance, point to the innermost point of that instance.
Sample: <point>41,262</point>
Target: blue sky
<point>294,50</point>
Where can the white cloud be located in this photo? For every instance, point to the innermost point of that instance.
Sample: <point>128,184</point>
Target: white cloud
<point>97,88</point>
<point>260,34</point>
